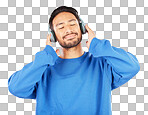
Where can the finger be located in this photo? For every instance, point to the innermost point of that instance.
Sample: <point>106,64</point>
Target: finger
<point>49,35</point>
<point>87,28</point>
<point>47,39</point>
<point>48,42</point>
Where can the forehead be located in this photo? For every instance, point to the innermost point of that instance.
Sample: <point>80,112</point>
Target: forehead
<point>62,17</point>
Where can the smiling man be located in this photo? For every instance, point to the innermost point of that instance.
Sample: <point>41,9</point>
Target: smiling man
<point>76,82</point>
<point>68,34</point>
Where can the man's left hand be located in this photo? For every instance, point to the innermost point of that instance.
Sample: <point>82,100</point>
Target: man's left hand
<point>91,35</point>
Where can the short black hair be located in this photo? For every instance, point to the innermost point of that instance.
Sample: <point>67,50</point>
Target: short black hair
<point>63,9</point>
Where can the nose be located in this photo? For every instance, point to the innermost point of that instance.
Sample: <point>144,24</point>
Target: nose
<point>68,30</point>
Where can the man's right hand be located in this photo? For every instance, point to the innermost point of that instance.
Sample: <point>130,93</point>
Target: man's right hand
<point>48,42</point>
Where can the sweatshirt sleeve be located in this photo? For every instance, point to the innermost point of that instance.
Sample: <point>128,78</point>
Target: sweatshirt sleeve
<point>121,66</point>
<point>23,83</point>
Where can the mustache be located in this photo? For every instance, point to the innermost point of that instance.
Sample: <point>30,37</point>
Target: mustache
<point>69,34</point>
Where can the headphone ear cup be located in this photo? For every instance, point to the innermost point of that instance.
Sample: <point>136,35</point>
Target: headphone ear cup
<point>52,38</point>
<point>82,26</point>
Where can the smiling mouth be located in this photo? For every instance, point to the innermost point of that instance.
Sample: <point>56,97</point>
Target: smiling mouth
<point>71,36</point>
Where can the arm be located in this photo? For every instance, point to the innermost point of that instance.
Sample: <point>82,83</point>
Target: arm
<point>121,66</point>
<point>23,83</point>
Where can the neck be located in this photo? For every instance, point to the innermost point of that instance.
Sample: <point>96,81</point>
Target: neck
<point>72,52</point>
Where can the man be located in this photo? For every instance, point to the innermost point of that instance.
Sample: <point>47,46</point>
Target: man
<point>76,82</point>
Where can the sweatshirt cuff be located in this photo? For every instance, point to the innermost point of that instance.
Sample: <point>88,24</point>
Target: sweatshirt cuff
<point>94,42</point>
<point>49,50</point>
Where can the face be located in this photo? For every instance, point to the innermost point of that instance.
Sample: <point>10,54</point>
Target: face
<point>67,30</point>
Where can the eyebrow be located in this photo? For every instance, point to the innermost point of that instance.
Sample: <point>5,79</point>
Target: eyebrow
<point>63,22</point>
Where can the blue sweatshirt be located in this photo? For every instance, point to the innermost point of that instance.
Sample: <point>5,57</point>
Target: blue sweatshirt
<point>77,86</point>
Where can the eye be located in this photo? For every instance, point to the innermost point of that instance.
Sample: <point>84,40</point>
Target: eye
<point>72,24</point>
<point>61,28</point>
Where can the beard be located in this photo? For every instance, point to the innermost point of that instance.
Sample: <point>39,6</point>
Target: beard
<point>69,43</point>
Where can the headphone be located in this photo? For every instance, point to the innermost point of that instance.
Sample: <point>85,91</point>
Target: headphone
<point>53,36</point>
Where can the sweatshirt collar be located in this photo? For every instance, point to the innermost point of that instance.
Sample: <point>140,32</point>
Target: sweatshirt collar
<point>72,59</point>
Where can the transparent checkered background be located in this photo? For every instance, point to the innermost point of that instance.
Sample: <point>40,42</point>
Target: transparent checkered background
<point>23,30</point>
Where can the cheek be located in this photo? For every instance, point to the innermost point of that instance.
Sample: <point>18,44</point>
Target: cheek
<point>79,32</point>
<point>79,29</point>
<point>58,34</point>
